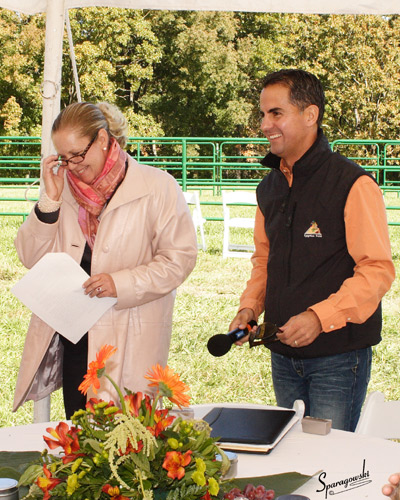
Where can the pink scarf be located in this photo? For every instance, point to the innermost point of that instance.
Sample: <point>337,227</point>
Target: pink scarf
<point>93,197</point>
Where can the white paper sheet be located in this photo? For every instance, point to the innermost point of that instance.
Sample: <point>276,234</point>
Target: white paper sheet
<point>52,290</point>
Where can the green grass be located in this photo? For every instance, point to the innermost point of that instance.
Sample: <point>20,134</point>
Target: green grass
<point>205,305</point>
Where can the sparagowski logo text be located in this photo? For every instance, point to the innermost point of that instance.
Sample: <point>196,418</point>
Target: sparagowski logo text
<point>344,485</point>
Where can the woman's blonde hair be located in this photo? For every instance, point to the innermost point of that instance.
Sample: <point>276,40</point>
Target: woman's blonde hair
<point>87,119</point>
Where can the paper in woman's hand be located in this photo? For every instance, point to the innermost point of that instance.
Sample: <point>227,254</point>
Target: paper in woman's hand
<point>52,289</point>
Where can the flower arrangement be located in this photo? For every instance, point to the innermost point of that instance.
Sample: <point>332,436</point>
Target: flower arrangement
<point>132,451</point>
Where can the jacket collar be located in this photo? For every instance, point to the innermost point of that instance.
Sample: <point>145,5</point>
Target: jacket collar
<point>134,186</point>
<point>309,162</point>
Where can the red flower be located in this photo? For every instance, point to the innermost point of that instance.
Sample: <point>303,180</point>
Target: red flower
<point>90,405</point>
<point>207,496</point>
<point>169,384</point>
<point>161,422</point>
<point>47,483</point>
<point>131,449</point>
<point>95,369</point>
<point>133,402</point>
<point>67,438</point>
<point>175,462</point>
<point>113,491</point>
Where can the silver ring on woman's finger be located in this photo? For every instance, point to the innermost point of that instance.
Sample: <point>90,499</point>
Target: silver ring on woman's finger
<point>98,288</point>
<point>295,343</point>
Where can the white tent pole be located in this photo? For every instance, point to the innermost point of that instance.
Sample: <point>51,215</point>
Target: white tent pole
<point>51,107</point>
<point>51,86</point>
<point>72,57</point>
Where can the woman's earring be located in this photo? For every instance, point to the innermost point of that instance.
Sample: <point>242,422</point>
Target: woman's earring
<point>104,149</point>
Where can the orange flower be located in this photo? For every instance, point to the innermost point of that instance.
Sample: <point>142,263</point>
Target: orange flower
<point>162,421</point>
<point>67,438</point>
<point>131,449</point>
<point>133,402</point>
<point>113,491</point>
<point>96,369</point>
<point>175,462</point>
<point>47,483</point>
<point>169,385</point>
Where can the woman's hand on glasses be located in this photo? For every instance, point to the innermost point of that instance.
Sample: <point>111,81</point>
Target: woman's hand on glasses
<point>53,177</point>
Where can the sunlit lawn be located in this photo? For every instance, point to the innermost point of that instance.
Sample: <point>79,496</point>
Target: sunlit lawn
<point>205,305</point>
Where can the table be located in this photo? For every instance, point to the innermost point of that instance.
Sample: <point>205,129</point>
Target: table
<point>334,458</point>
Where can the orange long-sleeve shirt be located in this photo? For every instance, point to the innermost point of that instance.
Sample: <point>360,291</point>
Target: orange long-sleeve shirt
<point>368,243</point>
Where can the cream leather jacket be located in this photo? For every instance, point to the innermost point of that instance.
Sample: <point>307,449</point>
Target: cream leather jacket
<point>147,243</point>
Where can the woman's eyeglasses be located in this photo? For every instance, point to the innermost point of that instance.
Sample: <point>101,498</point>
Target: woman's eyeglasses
<point>76,159</point>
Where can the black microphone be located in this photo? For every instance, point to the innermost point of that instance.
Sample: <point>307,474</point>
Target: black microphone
<point>218,345</point>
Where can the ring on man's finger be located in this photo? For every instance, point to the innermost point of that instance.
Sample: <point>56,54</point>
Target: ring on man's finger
<point>98,288</point>
<point>296,343</point>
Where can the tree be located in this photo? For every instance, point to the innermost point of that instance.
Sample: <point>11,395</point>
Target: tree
<point>198,73</point>
<point>21,73</point>
<point>358,60</point>
<point>201,82</point>
<point>116,50</point>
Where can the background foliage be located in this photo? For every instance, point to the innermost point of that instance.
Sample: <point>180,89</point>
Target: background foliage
<point>198,73</point>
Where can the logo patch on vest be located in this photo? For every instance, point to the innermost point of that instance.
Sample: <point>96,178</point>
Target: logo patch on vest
<point>313,231</point>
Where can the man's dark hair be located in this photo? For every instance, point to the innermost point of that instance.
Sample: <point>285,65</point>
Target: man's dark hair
<point>305,88</point>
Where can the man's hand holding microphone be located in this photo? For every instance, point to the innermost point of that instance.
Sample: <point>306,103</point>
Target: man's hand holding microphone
<point>241,320</point>
<point>298,331</point>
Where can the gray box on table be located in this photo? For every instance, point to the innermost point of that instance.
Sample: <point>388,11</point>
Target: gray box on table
<point>313,425</point>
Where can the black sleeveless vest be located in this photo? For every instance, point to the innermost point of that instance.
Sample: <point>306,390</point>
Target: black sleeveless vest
<point>308,257</point>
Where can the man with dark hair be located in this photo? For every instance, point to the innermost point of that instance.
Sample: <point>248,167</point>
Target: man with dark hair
<point>305,89</point>
<point>322,259</point>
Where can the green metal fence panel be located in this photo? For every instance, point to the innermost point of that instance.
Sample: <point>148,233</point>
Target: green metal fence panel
<point>381,157</point>
<point>188,159</point>
<point>203,163</point>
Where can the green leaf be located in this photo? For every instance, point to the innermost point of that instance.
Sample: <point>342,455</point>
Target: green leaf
<point>141,461</point>
<point>94,444</point>
<point>14,463</point>
<point>213,467</point>
<point>30,475</point>
<point>9,472</point>
<point>209,449</point>
<point>199,441</point>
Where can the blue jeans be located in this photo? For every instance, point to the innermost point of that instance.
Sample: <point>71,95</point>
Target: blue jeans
<point>331,386</point>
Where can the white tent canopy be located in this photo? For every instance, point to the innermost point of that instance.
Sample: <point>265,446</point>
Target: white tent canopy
<point>380,7</point>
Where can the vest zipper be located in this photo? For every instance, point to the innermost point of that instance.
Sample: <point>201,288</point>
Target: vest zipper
<point>289,225</point>
<point>285,201</point>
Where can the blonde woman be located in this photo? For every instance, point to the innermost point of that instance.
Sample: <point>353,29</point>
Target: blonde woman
<point>129,227</point>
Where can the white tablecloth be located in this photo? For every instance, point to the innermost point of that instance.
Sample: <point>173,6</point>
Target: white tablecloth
<point>334,458</point>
